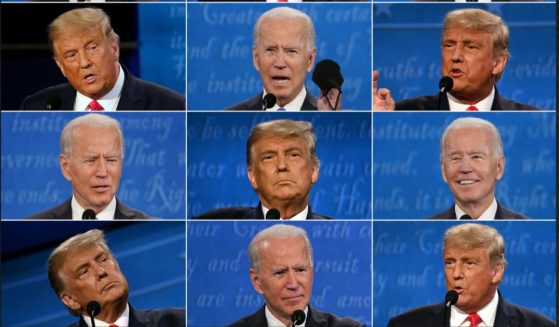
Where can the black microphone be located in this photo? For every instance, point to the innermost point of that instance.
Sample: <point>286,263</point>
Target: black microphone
<point>268,101</point>
<point>450,298</point>
<point>297,318</point>
<point>327,75</point>
<point>273,214</point>
<point>53,104</point>
<point>88,214</point>
<point>466,217</point>
<point>93,309</point>
<point>445,85</point>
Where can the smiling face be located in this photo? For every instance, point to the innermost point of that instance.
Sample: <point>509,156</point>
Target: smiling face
<point>468,58</point>
<point>282,57</point>
<point>94,166</point>
<point>88,59</point>
<point>469,272</point>
<point>285,276</point>
<point>92,273</point>
<point>470,167</point>
<point>281,171</point>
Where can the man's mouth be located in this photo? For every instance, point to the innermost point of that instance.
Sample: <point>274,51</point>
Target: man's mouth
<point>467,182</point>
<point>90,78</point>
<point>101,188</point>
<point>280,80</point>
<point>455,72</point>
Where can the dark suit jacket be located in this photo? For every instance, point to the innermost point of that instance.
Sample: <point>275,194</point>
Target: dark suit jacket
<point>508,315</point>
<point>136,94</point>
<point>150,318</point>
<point>64,211</point>
<point>502,213</point>
<point>315,318</point>
<point>256,103</point>
<point>431,102</point>
<point>254,213</point>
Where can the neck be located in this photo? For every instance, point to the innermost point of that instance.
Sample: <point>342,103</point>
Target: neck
<point>475,210</point>
<point>111,311</point>
<point>287,209</point>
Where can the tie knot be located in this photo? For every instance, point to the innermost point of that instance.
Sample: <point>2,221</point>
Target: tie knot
<point>113,325</point>
<point>94,106</point>
<point>472,108</point>
<point>474,319</point>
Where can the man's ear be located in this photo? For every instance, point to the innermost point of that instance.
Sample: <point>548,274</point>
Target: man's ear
<point>255,279</point>
<point>69,301</point>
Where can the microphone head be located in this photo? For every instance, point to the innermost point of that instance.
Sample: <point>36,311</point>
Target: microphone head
<point>327,75</point>
<point>445,84</point>
<point>53,104</point>
<point>273,214</point>
<point>298,317</point>
<point>93,308</point>
<point>450,298</point>
<point>466,217</point>
<point>268,101</point>
<point>89,214</point>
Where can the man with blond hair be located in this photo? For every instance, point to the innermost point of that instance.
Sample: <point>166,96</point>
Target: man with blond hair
<point>86,49</point>
<point>475,51</point>
<point>282,166</point>
<point>474,266</point>
<point>83,269</point>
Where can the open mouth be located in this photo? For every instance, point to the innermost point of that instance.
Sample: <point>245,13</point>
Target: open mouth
<point>90,78</point>
<point>455,72</point>
<point>101,188</point>
<point>280,80</point>
<point>467,182</point>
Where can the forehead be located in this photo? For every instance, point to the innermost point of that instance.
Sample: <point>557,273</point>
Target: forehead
<point>268,143</point>
<point>471,137</point>
<point>457,251</point>
<point>77,256</point>
<point>293,30</point>
<point>277,251</point>
<point>86,135</point>
<point>456,32</point>
<point>71,36</point>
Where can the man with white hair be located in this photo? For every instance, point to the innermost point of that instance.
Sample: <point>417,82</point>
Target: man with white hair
<point>281,270</point>
<point>92,151</point>
<point>283,53</point>
<point>472,161</point>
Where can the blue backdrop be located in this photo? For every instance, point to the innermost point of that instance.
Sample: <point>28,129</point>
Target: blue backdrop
<point>220,69</point>
<point>217,165</point>
<point>408,266</point>
<point>407,180</point>
<point>407,53</point>
<point>153,174</point>
<point>219,287</point>
<point>151,255</point>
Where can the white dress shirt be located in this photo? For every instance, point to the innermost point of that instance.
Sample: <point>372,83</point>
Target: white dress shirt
<point>275,322</point>
<point>295,105</point>
<point>300,216</point>
<point>488,214</point>
<point>122,320</point>
<point>483,105</point>
<point>107,214</point>
<point>487,314</point>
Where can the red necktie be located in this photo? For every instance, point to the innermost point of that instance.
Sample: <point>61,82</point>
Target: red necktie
<point>113,325</point>
<point>94,106</point>
<point>472,108</point>
<point>474,319</point>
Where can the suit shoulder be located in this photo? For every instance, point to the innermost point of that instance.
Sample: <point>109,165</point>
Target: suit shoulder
<point>429,102</point>
<point>164,317</point>
<point>54,212</point>
<point>161,97</point>
<point>335,321</point>
<point>38,100</point>
<point>527,317</point>
<point>508,104</point>
<point>319,216</point>
<point>229,213</point>
<point>250,104</point>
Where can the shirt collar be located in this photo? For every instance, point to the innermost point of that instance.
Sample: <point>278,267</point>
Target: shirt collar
<point>109,101</point>
<point>275,322</point>
<point>295,105</point>
<point>121,321</point>
<point>487,314</point>
<point>300,216</point>
<point>488,214</point>
<point>107,214</point>
<point>483,105</point>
